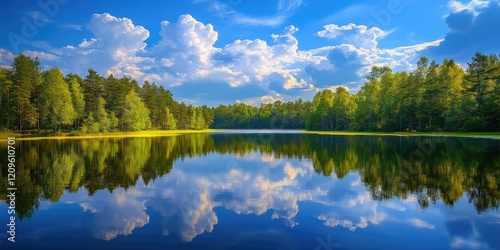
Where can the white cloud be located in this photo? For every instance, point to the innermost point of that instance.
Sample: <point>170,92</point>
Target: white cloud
<point>359,36</point>
<point>113,49</point>
<point>6,58</point>
<point>263,99</point>
<point>334,88</point>
<point>394,205</point>
<point>352,226</point>
<point>421,224</point>
<point>117,36</point>
<point>187,43</point>
<point>113,214</point>
<point>347,62</point>
<point>187,200</point>
<point>473,5</point>
<point>41,55</point>
<point>252,71</point>
<point>468,31</point>
<point>468,243</point>
<point>72,26</point>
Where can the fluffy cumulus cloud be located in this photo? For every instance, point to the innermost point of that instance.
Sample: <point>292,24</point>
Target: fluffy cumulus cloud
<point>353,52</point>
<point>186,57</point>
<point>255,61</point>
<point>114,214</point>
<point>197,71</point>
<point>185,51</point>
<point>115,48</point>
<point>358,35</point>
<point>232,188</point>
<point>473,5</point>
<point>343,64</point>
<point>188,199</point>
<point>351,206</point>
<point>472,27</point>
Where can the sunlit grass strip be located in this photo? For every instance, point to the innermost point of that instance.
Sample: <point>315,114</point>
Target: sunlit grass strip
<point>488,135</point>
<point>4,135</point>
<point>159,133</point>
<point>152,133</point>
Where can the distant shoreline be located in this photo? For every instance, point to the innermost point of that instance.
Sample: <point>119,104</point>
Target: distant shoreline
<point>121,134</point>
<point>160,133</point>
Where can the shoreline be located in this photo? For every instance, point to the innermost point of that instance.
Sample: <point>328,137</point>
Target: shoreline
<point>161,133</point>
<point>149,133</point>
<point>479,135</point>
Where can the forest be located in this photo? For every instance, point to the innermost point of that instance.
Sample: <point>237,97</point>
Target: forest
<point>432,97</point>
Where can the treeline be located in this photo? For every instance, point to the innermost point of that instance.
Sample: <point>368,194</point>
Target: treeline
<point>34,99</point>
<point>277,115</point>
<point>432,97</point>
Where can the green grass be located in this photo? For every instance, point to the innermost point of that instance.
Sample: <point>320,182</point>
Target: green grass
<point>159,133</point>
<point>9,134</point>
<point>489,135</point>
<point>121,134</point>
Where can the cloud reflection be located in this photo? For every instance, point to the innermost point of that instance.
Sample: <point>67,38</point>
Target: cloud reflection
<point>187,198</point>
<point>113,214</point>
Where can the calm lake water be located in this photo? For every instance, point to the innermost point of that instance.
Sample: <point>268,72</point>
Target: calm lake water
<point>255,191</point>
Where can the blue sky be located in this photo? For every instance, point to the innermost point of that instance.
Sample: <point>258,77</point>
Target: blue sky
<point>224,51</point>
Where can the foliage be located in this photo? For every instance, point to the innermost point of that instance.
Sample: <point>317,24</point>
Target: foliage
<point>432,97</point>
<point>136,115</point>
<point>56,101</point>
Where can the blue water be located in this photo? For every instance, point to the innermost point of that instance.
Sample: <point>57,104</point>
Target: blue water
<point>227,192</point>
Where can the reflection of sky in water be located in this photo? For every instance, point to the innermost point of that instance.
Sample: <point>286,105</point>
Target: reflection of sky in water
<point>234,201</point>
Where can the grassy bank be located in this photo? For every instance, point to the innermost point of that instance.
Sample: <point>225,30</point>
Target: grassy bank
<point>62,136</point>
<point>159,133</point>
<point>488,135</point>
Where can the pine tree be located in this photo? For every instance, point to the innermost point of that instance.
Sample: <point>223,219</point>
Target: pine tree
<point>5,96</point>
<point>24,78</point>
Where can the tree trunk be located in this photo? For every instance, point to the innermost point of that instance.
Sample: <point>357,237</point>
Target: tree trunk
<point>430,122</point>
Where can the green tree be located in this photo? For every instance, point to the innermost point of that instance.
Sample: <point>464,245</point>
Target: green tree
<point>77,99</point>
<point>90,125</point>
<point>170,121</point>
<point>200,121</point>
<point>433,102</point>
<point>99,121</point>
<point>92,90</point>
<point>5,98</point>
<point>56,103</point>
<point>136,116</point>
<point>103,118</point>
<point>452,86</point>
<point>192,115</point>
<point>367,116</point>
<point>341,108</point>
<point>482,80</point>
<point>24,78</point>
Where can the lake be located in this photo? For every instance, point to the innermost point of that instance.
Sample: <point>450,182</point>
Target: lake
<point>251,190</point>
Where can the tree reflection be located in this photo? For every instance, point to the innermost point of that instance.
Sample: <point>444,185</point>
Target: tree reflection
<point>387,165</point>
